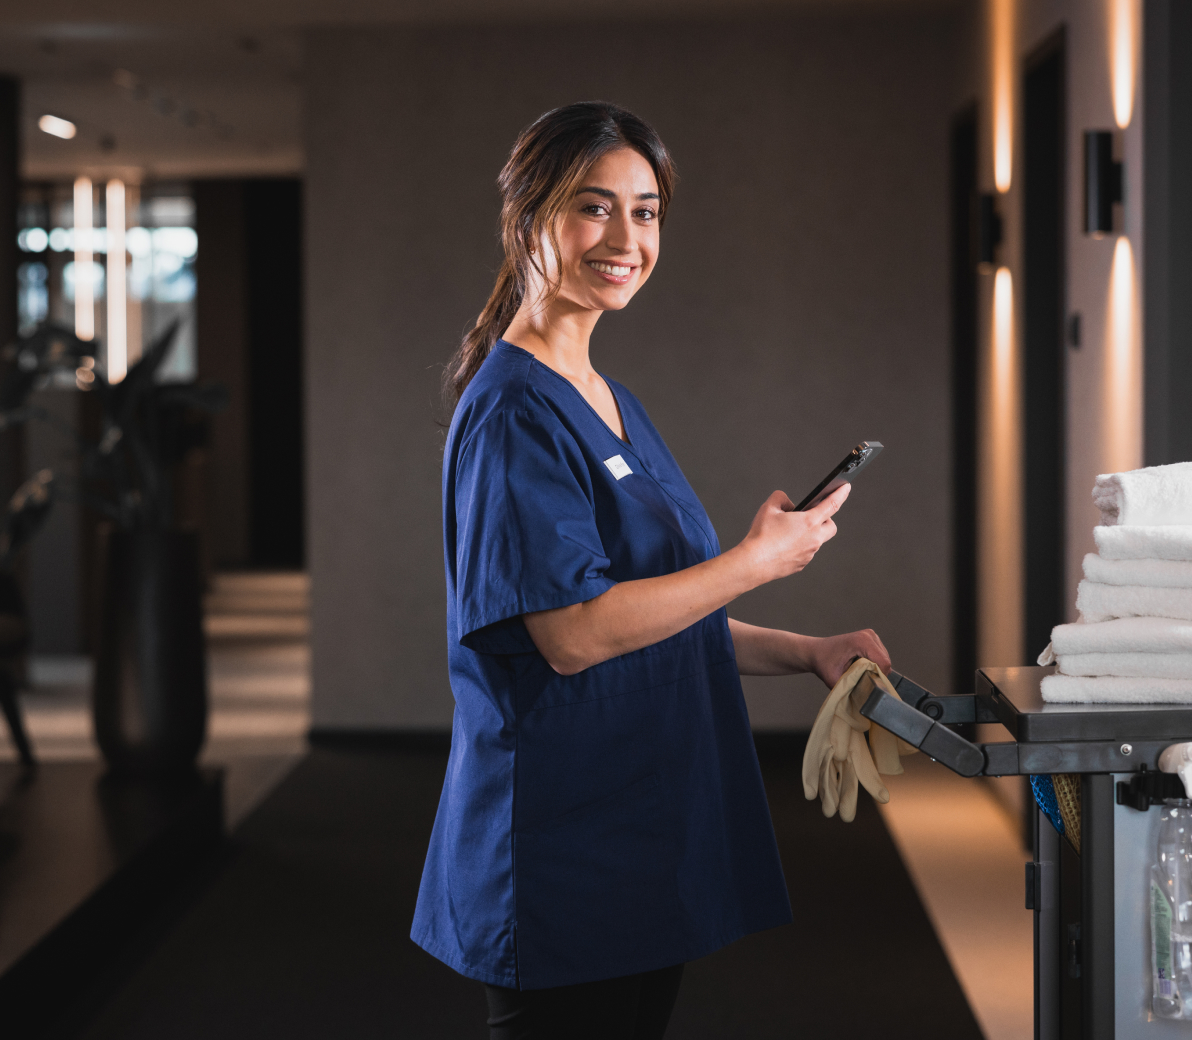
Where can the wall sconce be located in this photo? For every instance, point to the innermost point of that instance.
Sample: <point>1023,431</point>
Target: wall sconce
<point>989,232</point>
<point>1103,185</point>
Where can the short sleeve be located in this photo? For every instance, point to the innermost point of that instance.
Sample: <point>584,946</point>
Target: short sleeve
<point>526,536</point>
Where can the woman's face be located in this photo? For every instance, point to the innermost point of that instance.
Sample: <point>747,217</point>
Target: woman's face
<point>608,235</point>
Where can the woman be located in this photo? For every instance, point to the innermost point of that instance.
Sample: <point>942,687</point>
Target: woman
<point>603,819</point>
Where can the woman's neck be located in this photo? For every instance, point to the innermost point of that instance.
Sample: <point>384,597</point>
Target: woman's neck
<point>557,335</point>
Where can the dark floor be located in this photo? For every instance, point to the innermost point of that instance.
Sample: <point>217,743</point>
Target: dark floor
<point>90,863</point>
<point>304,932</point>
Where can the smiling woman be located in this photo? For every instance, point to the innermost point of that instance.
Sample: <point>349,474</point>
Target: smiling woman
<point>540,184</point>
<point>603,819</point>
<point>605,247</point>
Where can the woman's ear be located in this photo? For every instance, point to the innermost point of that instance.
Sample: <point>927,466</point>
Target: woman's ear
<point>526,234</point>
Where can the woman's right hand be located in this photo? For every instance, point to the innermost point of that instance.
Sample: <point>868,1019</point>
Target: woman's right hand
<point>782,542</point>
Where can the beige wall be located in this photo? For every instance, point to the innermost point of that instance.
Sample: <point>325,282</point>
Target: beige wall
<point>800,305</point>
<point>1105,375</point>
<point>1104,379</point>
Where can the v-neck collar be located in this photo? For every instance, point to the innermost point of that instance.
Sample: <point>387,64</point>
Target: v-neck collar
<point>708,531</point>
<point>628,441</point>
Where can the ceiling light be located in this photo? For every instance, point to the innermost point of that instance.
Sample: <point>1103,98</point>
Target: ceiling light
<point>33,240</point>
<point>63,128</point>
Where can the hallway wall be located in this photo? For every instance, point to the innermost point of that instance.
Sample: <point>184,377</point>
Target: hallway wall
<point>800,305</point>
<point>1104,385</point>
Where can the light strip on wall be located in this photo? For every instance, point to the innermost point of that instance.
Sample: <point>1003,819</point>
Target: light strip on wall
<point>1002,72</point>
<point>1123,365</point>
<point>83,289</point>
<point>999,501</point>
<point>117,347</point>
<point>1002,412</point>
<point>1003,340</point>
<point>1003,329</point>
<point>1123,43</point>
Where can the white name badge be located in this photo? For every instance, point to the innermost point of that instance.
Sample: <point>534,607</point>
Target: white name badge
<point>618,467</point>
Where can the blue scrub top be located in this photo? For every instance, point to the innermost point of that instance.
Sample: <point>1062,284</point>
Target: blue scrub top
<point>599,824</point>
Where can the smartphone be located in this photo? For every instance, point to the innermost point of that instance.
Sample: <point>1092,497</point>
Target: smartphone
<point>855,461</point>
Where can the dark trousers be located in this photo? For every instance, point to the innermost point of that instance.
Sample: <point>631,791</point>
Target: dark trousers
<point>635,1007</point>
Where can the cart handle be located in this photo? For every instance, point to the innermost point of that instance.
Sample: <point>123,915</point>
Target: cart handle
<point>904,719</point>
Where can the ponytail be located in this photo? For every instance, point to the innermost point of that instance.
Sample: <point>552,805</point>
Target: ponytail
<point>502,305</point>
<point>543,172</point>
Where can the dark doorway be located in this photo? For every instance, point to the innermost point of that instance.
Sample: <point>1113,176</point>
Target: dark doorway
<point>963,160</point>
<point>249,310</point>
<point>1044,350</point>
<point>11,439</point>
<point>273,236</point>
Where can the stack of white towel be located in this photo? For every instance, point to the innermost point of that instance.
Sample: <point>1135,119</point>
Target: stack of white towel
<point>1133,642</point>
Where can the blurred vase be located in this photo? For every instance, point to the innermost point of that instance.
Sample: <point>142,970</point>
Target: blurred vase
<point>150,696</point>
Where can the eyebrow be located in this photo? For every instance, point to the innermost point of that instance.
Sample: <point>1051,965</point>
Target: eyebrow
<point>608,194</point>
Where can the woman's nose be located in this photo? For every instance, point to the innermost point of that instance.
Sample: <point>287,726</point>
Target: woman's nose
<point>619,234</point>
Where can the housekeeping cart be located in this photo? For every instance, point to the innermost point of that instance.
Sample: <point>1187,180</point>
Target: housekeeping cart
<point>1092,915</point>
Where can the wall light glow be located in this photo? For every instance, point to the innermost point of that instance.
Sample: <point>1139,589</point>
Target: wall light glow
<point>117,346</point>
<point>57,127</point>
<point>999,489</point>
<point>1003,409</point>
<point>1001,60</point>
<point>84,290</point>
<point>1003,334</point>
<point>1122,448</point>
<point>1123,55</point>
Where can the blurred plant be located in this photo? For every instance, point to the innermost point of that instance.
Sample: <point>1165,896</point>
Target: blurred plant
<point>147,428</point>
<point>25,513</point>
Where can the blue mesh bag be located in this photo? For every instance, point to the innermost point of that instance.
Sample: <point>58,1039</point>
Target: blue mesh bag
<point>1045,798</point>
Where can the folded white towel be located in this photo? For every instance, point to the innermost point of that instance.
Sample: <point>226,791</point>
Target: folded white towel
<point>1115,689</point>
<point>1143,665</point>
<point>1169,574</point>
<point>1144,543</point>
<point>1099,602</point>
<point>1156,495</point>
<point>1122,636</point>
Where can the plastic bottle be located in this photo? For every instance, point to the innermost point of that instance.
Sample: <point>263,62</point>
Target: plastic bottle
<point>1171,913</point>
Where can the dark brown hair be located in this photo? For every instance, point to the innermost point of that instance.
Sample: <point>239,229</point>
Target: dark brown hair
<point>551,156</point>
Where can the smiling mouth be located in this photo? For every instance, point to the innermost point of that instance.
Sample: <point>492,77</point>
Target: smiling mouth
<point>618,271</point>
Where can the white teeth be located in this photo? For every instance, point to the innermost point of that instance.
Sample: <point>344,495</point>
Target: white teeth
<point>615,271</point>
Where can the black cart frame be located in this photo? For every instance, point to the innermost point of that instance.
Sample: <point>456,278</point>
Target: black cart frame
<point>1072,894</point>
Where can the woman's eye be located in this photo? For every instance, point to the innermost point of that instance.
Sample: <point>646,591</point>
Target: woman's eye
<point>646,214</point>
<point>596,210</point>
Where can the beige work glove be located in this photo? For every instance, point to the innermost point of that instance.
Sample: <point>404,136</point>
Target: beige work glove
<point>837,756</point>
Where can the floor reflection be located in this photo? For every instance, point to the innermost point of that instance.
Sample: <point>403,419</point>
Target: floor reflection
<point>258,662</point>
<point>963,851</point>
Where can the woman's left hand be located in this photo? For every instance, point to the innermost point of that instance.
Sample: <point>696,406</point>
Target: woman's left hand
<point>832,655</point>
